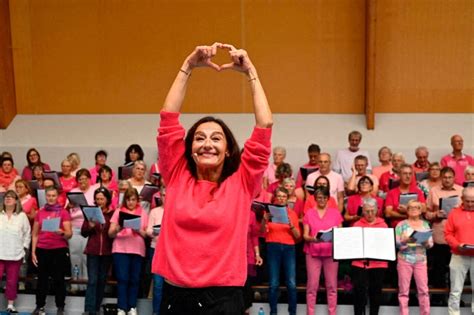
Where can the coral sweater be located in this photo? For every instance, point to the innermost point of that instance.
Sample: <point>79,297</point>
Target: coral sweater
<point>203,239</point>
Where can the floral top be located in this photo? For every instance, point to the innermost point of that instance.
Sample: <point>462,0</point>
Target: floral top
<point>411,252</point>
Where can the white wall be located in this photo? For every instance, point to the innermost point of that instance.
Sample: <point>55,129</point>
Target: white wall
<point>57,135</point>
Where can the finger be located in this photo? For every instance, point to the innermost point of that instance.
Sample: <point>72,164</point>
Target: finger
<point>228,46</point>
<point>214,48</point>
<point>213,65</point>
<point>227,66</point>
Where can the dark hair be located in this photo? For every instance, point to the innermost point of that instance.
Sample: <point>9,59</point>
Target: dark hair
<point>447,169</point>
<point>30,164</point>
<point>7,158</point>
<point>361,158</point>
<point>100,152</point>
<point>314,148</point>
<point>104,168</point>
<point>106,193</point>
<point>130,192</point>
<point>323,191</point>
<point>231,162</point>
<point>35,166</point>
<point>281,189</point>
<point>283,168</point>
<point>365,178</point>
<point>81,172</point>
<point>134,147</point>
<point>323,177</point>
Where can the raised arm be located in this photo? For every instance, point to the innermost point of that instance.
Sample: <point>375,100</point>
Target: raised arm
<point>241,62</point>
<point>200,57</point>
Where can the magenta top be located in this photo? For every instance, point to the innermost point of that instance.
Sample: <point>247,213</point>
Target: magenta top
<point>208,221</point>
<point>331,218</point>
<point>51,240</point>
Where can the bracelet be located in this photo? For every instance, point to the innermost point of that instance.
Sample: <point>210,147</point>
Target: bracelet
<point>253,79</point>
<point>186,73</point>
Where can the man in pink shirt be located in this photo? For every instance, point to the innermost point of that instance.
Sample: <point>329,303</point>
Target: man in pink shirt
<point>100,160</point>
<point>335,180</point>
<point>395,211</point>
<point>345,157</point>
<point>422,164</point>
<point>457,160</point>
<point>313,155</point>
<point>459,234</point>
<point>440,253</point>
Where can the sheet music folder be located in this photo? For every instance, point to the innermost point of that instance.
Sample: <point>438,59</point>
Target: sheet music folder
<point>358,243</point>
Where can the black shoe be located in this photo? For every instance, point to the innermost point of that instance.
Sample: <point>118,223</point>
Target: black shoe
<point>39,311</point>
<point>60,311</point>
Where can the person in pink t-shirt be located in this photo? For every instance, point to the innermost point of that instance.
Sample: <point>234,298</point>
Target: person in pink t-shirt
<point>385,159</point>
<point>457,160</point>
<point>67,180</point>
<point>319,252</point>
<point>209,189</point>
<point>282,172</point>
<point>355,202</point>
<point>313,155</point>
<point>128,251</point>
<point>100,161</point>
<point>368,275</point>
<point>32,158</point>
<point>49,251</point>
<point>28,202</point>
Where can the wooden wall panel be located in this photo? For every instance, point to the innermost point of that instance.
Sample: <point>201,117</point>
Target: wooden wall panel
<point>7,85</point>
<point>425,56</point>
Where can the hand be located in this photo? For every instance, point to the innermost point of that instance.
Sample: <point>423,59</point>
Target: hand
<point>267,216</point>
<point>60,232</point>
<point>202,55</point>
<point>353,169</point>
<point>461,247</point>
<point>406,239</point>
<point>402,209</point>
<point>442,214</point>
<point>91,224</point>
<point>34,259</point>
<point>240,60</point>
<point>258,260</point>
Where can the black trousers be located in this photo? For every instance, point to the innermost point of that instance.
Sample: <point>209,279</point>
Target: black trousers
<point>202,301</point>
<point>51,263</point>
<point>370,280</point>
<point>439,257</point>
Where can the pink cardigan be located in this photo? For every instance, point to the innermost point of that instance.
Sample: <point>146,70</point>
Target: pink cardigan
<point>203,239</point>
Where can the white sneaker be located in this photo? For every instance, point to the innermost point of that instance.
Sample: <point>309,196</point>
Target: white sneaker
<point>133,311</point>
<point>121,312</point>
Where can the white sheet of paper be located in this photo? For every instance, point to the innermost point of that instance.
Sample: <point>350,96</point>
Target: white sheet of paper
<point>379,243</point>
<point>348,243</point>
<point>279,214</point>
<point>50,225</point>
<point>94,214</point>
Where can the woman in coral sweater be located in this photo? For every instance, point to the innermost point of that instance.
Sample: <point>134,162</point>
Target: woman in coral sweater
<point>209,189</point>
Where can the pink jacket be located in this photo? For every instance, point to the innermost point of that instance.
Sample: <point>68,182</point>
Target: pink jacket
<point>379,223</point>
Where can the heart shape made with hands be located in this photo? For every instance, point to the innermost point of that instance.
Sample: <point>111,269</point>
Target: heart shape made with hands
<point>207,56</point>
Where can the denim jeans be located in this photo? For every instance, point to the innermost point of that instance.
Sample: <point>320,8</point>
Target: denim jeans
<point>281,255</point>
<point>127,271</point>
<point>97,270</point>
<point>157,285</point>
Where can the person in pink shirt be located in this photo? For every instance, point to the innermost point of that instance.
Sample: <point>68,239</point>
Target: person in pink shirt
<point>392,175</point>
<point>459,234</point>
<point>280,242</point>
<point>337,183</point>
<point>67,180</point>
<point>269,177</point>
<point>310,202</point>
<point>422,163</point>
<point>394,211</point>
<point>368,275</point>
<point>49,252</point>
<point>313,155</point>
<point>7,175</point>
<point>355,202</point>
<point>106,180</point>
<point>359,169</point>
<point>100,161</point>
<point>77,243</point>
<point>28,202</point>
<point>385,159</point>
<point>128,251</point>
<point>439,254</point>
<point>282,172</point>
<point>319,252</point>
<point>457,160</point>
<point>209,189</point>
<point>33,158</point>
<point>411,258</point>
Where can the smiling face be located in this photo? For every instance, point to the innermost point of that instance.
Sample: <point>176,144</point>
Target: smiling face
<point>209,146</point>
<point>33,157</point>
<point>66,167</point>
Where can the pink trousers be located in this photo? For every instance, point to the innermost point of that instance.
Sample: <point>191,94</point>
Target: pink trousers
<point>12,270</point>
<point>314,266</point>
<point>420,273</point>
